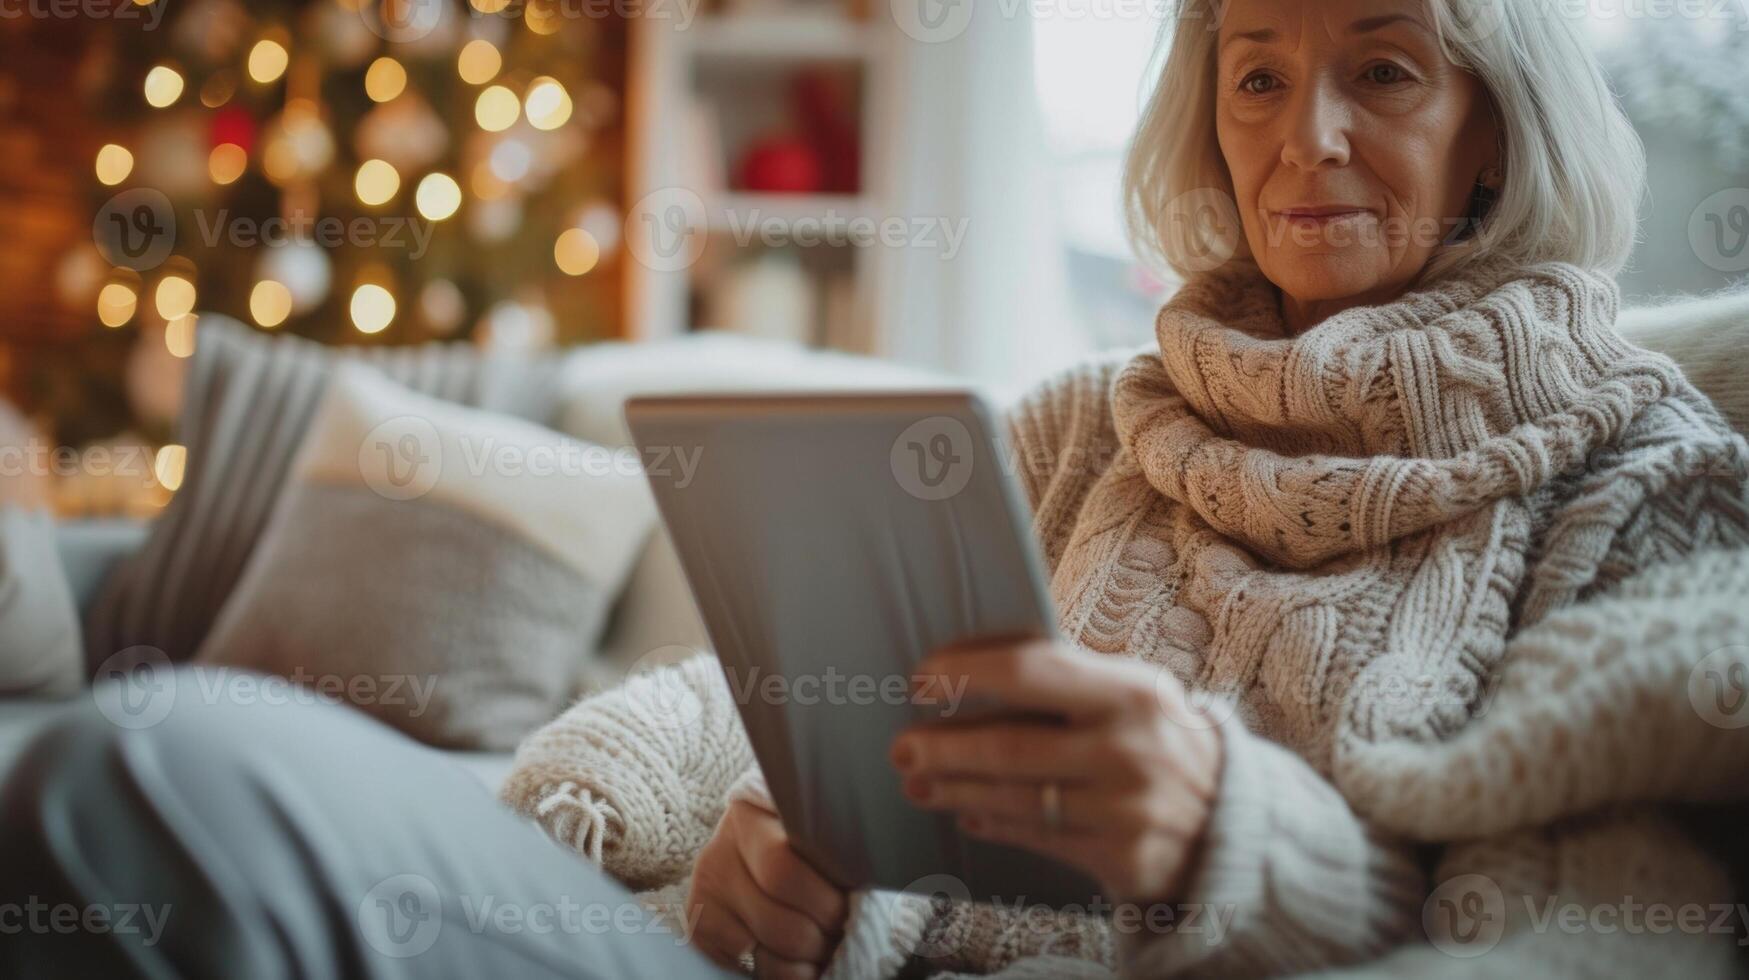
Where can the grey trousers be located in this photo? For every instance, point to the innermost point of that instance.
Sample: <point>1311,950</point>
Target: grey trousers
<point>289,840</point>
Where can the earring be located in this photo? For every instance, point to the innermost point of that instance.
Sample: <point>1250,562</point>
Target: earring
<point>1482,198</point>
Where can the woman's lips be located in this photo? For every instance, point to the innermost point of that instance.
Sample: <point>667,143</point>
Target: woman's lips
<point>1319,217</point>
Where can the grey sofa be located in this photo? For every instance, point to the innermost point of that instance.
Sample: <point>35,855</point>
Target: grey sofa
<point>655,610</point>
<point>1707,337</point>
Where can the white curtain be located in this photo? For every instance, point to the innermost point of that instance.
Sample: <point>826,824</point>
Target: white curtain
<point>970,145</point>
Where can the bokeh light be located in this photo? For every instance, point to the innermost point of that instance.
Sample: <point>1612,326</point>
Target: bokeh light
<point>169,465</point>
<point>270,302</point>
<point>116,303</point>
<point>541,17</point>
<point>267,60</point>
<point>175,297</point>
<point>163,86</point>
<point>377,182</point>
<point>114,163</point>
<point>226,163</point>
<point>179,335</point>
<point>548,105</point>
<point>373,308</point>
<point>576,252</point>
<point>479,62</point>
<point>385,79</point>
<point>496,109</point>
<point>438,196</point>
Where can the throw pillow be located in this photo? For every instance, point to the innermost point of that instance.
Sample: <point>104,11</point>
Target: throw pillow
<point>247,405</point>
<point>444,568</point>
<point>39,625</point>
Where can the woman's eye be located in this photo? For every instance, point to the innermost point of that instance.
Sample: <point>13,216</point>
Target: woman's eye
<point>1386,74</point>
<point>1260,83</point>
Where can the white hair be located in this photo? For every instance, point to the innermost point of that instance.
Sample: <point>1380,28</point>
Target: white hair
<point>1574,169</point>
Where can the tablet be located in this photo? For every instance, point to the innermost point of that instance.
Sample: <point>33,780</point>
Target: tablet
<point>832,542</point>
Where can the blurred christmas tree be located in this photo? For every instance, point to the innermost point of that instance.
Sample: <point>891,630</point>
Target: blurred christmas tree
<point>362,171</point>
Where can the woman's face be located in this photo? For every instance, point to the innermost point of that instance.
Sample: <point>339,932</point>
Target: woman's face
<point>1353,144</point>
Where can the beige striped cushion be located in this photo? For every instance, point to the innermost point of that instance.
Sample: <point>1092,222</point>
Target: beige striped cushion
<point>248,402</point>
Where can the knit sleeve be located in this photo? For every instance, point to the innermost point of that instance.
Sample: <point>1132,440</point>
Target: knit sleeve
<point>636,778</point>
<point>1288,879</point>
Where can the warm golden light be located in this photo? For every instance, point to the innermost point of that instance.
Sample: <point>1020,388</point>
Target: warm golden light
<point>267,60</point>
<point>489,6</point>
<point>373,308</point>
<point>377,182</point>
<point>576,252</point>
<point>174,298</point>
<point>548,105</point>
<point>116,303</point>
<point>114,163</point>
<point>179,336</point>
<point>485,184</point>
<point>163,86</point>
<point>226,163</point>
<point>169,465</point>
<point>385,79</point>
<point>438,196</point>
<point>479,62</point>
<point>270,303</point>
<point>496,109</point>
<point>541,18</point>
<point>217,91</point>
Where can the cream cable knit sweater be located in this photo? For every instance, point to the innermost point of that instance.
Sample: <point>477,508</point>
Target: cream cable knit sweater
<point>1335,534</point>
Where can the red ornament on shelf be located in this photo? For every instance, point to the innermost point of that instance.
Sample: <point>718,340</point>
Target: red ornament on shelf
<point>780,165</point>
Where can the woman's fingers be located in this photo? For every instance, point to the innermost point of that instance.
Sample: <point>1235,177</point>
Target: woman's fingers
<point>1018,802</point>
<point>719,935</point>
<point>782,875</point>
<point>998,750</point>
<point>769,966</point>
<point>1030,835</point>
<point>779,928</point>
<point>1033,676</point>
<point>772,924</point>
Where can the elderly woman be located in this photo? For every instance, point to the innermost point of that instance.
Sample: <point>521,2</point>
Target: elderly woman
<point>1389,439</point>
<point>1367,579</point>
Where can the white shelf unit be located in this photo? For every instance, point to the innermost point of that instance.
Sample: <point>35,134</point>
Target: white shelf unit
<point>668,62</point>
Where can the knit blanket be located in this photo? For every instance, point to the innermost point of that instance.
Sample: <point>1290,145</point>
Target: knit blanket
<point>1449,568</point>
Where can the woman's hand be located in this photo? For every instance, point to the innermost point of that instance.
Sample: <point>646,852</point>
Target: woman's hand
<point>1134,767</point>
<point>752,892</point>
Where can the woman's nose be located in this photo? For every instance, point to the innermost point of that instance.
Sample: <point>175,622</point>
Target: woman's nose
<point>1317,130</point>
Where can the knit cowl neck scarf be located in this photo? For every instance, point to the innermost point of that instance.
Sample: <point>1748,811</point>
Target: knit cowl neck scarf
<point>1381,421</point>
